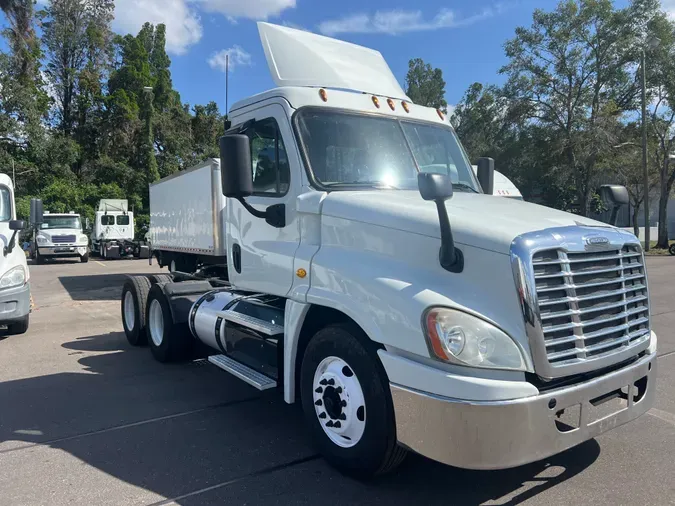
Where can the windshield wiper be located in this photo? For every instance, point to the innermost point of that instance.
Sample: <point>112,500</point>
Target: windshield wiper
<point>380,185</point>
<point>463,186</point>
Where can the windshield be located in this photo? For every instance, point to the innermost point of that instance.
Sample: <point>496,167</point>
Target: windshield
<point>5,204</point>
<point>61,222</point>
<point>347,149</point>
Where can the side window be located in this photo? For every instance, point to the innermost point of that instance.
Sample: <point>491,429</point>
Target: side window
<point>123,220</point>
<point>271,172</point>
<point>107,220</point>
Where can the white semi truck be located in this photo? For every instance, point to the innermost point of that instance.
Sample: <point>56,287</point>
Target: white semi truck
<point>14,274</point>
<point>60,235</point>
<point>370,278</point>
<point>112,235</point>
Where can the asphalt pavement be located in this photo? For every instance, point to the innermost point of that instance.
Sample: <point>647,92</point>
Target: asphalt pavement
<point>86,419</point>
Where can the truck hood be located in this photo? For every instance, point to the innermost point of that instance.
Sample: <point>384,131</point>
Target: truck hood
<point>483,221</point>
<point>51,232</point>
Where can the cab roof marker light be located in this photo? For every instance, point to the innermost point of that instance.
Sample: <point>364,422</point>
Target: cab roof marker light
<point>405,106</point>
<point>323,95</point>
<point>376,101</point>
<point>391,104</point>
<point>440,114</point>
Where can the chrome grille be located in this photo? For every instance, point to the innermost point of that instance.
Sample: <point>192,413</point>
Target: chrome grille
<point>584,297</point>
<point>63,239</point>
<point>591,303</point>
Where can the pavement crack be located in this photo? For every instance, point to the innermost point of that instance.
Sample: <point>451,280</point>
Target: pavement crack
<point>129,425</point>
<point>254,474</point>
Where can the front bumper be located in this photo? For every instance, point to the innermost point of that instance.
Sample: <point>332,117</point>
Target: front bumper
<point>503,434</point>
<point>14,303</point>
<point>62,250</point>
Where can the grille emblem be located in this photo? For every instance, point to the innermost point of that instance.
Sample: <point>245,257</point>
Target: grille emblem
<point>596,241</point>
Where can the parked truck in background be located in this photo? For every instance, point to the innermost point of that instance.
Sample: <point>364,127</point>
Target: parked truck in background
<point>187,219</point>
<point>60,235</point>
<point>112,234</point>
<point>370,278</point>
<point>14,274</point>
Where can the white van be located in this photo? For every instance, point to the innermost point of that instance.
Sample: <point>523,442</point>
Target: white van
<point>503,187</point>
<point>14,276</point>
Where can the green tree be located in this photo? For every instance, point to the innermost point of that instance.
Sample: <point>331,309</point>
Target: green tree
<point>425,85</point>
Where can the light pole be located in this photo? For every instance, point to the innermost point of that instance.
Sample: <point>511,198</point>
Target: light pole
<point>151,163</point>
<point>652,42</point>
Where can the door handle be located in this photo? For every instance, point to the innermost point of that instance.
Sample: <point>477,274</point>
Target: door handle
<point>236,257</point>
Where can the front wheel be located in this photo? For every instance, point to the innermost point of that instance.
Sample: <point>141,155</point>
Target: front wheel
<point>347,403</point>
<point>671,249</point>
<point>84,258</point>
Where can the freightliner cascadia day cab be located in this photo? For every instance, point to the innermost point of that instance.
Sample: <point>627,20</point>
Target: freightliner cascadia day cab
<point>372,277</point>
<point>14,275</point>
<point>112,234</point>
<point>61,236</point>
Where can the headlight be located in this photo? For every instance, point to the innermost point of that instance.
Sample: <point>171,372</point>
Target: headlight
<point>83,238</point>
<point>42,239</point>
<point>460,338</point>
<point>13,277</point>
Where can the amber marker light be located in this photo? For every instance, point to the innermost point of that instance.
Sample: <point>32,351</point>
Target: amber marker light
<point>323,95</point>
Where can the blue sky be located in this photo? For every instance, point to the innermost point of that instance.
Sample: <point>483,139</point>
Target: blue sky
<point>462,37</point>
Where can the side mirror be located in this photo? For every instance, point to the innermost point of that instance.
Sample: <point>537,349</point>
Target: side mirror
<point>36,212</point>
<point>438,187</point>
<point>17,225</point>
<point>486,174</point>
<point>615,196</point>
<point>235,166</point>
<point>236,173</point>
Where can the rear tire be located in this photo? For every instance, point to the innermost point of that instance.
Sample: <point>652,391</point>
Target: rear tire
<point>156,279</point>
<point>336,357</point>
<point>168,341</point>
<point>671,249</point>
<point>19,327</point>
<point>134,300</point>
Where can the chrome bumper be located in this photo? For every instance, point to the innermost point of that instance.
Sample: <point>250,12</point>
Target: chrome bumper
<point>503,434</point>
<point>65,251</point>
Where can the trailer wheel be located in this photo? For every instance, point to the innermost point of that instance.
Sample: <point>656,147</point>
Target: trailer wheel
<point>347,403</point>
<point>169,342</point>
<point>134,300</point>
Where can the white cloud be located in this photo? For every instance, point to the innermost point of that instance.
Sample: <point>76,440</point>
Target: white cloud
<point>669,7</point>
<point>252,9</point>
<point>183,26</point>
<point>238,58</point>
<point>398,21</point>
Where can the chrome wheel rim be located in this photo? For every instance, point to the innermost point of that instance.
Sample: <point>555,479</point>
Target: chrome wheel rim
<point>129,311</point>
<point>339,402</point>
<point>156,323</point>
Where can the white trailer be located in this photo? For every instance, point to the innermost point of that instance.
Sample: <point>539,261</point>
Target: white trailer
<point>187,210</point>
<point>371,279</point>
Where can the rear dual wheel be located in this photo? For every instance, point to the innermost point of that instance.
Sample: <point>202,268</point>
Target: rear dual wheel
<point>168,341</point>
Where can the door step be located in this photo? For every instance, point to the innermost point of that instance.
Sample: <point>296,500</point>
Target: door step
<point>243,372</point>
<point>253,323</point>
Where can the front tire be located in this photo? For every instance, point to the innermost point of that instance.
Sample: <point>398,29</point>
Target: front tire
<point>19,327</point>
<point>671,249</point>
<point>39,258</point>
<point>84,258</point>
<point>347,403</point>
<point>169,342</point>
<point>134,300</point>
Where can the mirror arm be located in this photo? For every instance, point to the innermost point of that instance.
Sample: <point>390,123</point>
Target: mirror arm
<point>274,215</point>
<point>251,209</point>
<point>12,242</point>
<point>451,258</point>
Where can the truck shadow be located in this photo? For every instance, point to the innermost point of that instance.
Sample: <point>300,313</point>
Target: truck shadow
<point>176,429</point>
<point>94,287</point>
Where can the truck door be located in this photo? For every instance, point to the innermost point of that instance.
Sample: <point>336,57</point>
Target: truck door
<point>260,256</point>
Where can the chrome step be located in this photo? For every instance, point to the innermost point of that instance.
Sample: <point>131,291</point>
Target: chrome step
<point>243,372</point>
<point>251,322</point>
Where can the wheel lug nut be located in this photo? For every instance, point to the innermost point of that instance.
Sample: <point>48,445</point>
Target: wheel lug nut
<point>338,390</point>
<point>331,381</point>
<point>343,416</point>
<point>344,403</point>
<point>337,425</point>
<point>319,390</point>
<point>322,415</point>
<point>329,423</point>
<point>319,403</point>
<point>323,382</point>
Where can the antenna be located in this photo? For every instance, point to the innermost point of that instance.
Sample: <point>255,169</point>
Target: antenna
<point>228,123</point>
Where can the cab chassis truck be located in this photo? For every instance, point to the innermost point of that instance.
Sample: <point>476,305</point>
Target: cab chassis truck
<point>372,277</point>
